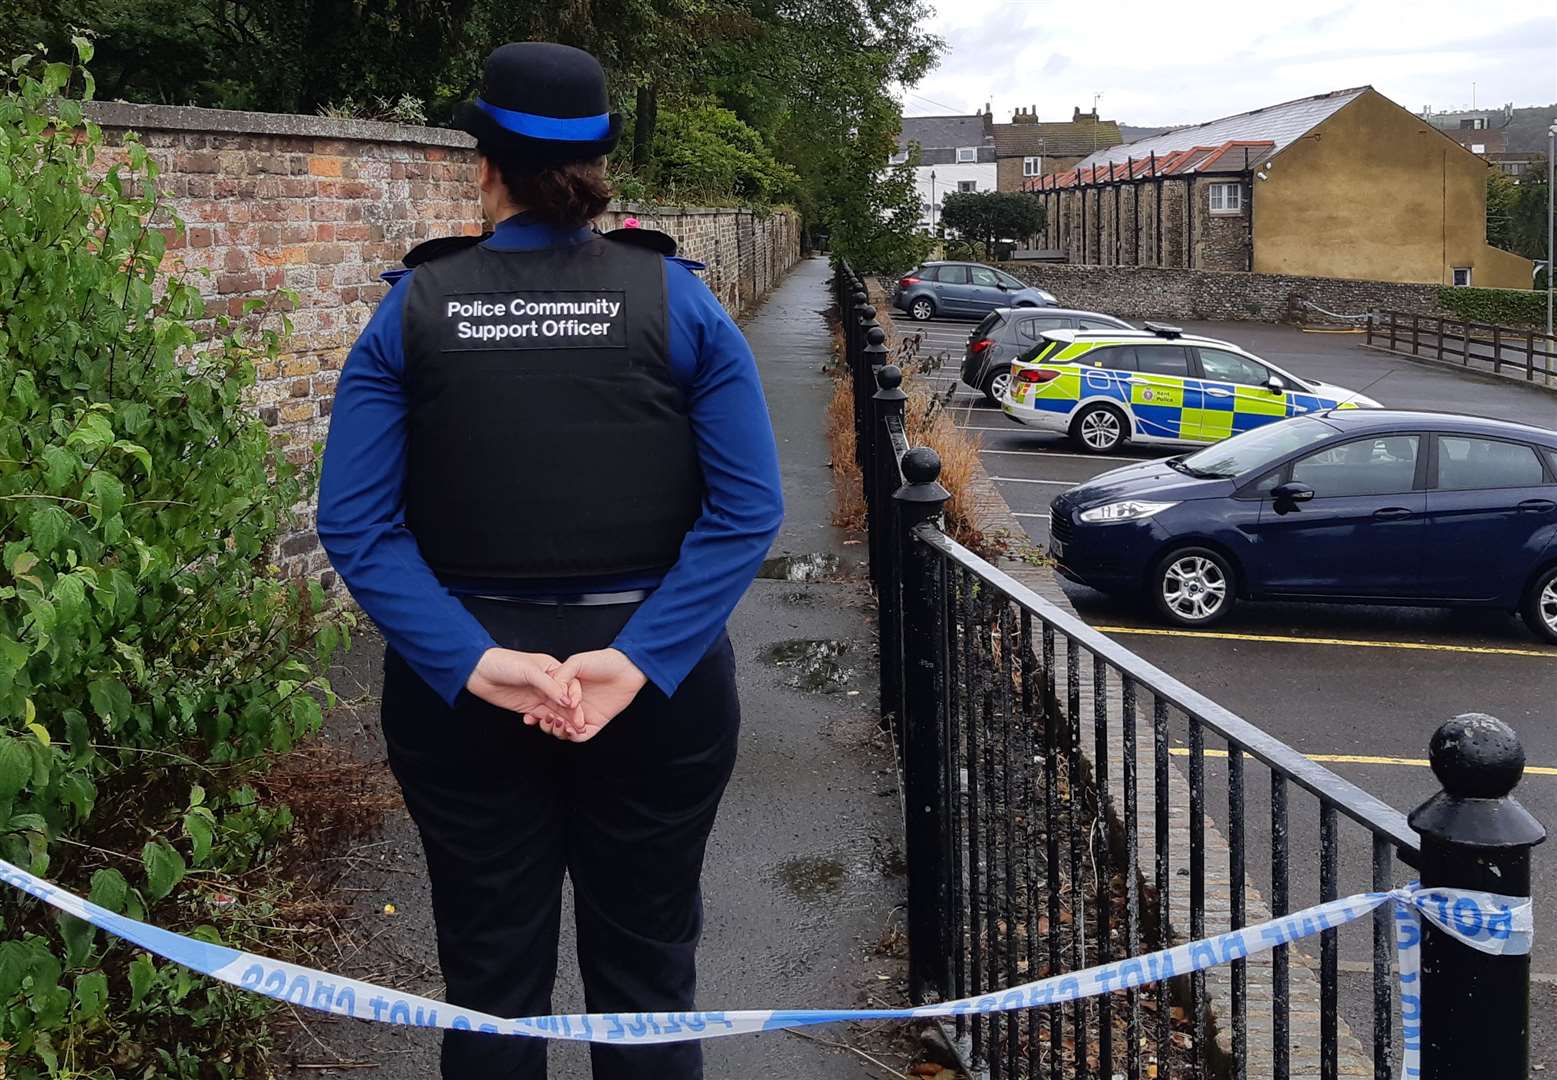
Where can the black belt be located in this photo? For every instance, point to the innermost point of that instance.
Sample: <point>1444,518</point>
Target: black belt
<point>589,599</point>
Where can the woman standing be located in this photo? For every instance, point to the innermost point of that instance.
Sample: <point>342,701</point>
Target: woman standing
<point>550,476</point>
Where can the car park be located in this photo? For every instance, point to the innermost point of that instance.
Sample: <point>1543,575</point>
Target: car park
<point>1007,334</point>
<point>1354,506</point>
<point>961,289</point>
<point>1157,385</point>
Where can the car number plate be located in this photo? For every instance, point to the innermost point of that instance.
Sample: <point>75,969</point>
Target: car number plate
<point>1056,548</point>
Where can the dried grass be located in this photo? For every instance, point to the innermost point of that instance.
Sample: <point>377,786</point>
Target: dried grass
<point>849,506</point>
<point>928,425</point>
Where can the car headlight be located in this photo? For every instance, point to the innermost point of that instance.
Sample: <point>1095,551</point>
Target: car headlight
<point>1129,510</point>
<point>1049,296</point>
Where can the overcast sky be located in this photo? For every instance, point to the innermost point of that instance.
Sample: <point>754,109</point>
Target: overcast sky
<point>1186,61</point>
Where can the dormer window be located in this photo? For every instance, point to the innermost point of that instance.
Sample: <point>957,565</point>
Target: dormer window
<point>967,155</point>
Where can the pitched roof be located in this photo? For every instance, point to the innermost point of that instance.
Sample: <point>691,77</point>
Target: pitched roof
<point>1279,125</point>
<point>942,132</point>
<point>1060,139</point>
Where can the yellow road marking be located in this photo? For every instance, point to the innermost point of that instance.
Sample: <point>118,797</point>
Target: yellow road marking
<point>1280,640</point>
<point>1364,759</point>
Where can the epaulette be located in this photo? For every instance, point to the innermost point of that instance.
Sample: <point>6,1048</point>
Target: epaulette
<point>394,275</point>
<point>690,264</point>
<point>652,239</point>
<point>428,250</point>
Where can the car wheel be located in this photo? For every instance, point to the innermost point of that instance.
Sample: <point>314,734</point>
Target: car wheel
<point>1099,429</point>
<point>922,309</point>
<point>1540,606</point>
<point>998,383</point>
<point>1193,587</point>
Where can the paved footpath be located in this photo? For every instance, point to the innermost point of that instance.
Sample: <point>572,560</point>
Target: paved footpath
<point>803,880</point>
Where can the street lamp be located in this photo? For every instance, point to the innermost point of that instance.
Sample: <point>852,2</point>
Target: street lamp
<point>1551,151</point>
<point>932,227</point>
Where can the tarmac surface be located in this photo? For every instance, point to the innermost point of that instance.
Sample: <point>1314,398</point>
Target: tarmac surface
<point>1361,688</point>
<point>804,878</point>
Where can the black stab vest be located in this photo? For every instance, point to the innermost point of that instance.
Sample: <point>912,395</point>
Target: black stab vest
<point>546,438</point>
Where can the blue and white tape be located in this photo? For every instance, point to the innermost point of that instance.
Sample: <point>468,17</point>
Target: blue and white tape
<point>1484,921</point>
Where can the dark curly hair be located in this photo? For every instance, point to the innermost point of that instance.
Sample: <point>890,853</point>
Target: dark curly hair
<point>570,194</point>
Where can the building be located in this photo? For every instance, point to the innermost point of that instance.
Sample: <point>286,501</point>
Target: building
<point>1345,185</point>
<point>956,153</point>
<point>1028,147</point>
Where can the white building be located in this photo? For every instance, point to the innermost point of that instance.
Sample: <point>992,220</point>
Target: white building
<point>956,153</point>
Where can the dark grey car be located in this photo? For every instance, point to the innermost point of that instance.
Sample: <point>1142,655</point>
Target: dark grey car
<point>952,290</point>
<point>1005,334</point>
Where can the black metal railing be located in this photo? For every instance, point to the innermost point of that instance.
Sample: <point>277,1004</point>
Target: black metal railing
<point>1048,827</point>
<point>1503,350</point>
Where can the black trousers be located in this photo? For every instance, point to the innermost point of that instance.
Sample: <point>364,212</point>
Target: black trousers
<point>505,810</point>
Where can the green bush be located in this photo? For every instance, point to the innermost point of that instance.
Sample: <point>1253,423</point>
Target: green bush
<point>1502,307</point>
<point>150,656</point>
<point>706,153</point>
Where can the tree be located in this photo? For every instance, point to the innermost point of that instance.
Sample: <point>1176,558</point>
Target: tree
<point>1516,215</point>
<point>993,215</point>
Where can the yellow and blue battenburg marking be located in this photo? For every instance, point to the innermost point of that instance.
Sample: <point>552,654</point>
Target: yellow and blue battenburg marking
<point>1164,406</point>
<point>1494,924</point>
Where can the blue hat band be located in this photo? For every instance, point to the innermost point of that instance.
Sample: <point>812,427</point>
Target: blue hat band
<point>552,128</point>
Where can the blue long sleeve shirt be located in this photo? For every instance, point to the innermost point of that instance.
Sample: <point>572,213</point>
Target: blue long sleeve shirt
<point>362,511</point>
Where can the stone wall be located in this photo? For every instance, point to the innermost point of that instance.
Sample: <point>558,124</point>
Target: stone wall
<point>1175,293</point>
<point>1100,225</point>
<point>322,207</point>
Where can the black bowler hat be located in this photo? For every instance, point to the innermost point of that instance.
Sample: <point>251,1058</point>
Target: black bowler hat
<point>547,101</point>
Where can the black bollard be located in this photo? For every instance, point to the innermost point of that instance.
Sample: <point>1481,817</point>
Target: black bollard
<point>1475,835</point>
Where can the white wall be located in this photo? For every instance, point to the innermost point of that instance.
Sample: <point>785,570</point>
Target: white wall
<point>946,178</point>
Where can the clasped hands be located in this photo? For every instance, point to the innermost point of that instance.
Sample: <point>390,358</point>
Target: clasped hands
<point>572,699</point>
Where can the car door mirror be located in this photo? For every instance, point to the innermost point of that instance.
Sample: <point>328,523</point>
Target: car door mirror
<point>1292,492</point>
<point>1002,286</point>
<point>1276,384</point>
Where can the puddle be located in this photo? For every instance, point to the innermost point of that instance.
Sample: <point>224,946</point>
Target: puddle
<point>813,665</point>
<point>815,567</point>
<point>812,877</point>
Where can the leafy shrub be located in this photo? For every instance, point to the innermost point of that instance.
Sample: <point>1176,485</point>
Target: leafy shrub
<point>150,657</point>
<point>1502,307</point>
<point>705,150</point>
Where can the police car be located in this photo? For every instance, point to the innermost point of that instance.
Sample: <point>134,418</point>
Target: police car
<point>1158,385</point>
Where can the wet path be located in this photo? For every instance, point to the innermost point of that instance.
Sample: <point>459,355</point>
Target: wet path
<point>804,869</point>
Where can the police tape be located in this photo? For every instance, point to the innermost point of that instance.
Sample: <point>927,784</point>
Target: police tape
<point>1485,921</point>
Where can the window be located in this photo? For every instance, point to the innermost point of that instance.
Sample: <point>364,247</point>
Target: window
<point>1255,450</point>
<point>967,185</point>
<point>1362,467</point>
<point>898,158</point>
<point>1462,275</point>
<point>1032,329</point>
<point>1032,166</point>
<point>926,273</point>
<point>1223,366</point>
<point>983,275</point>
<point>953,275</point>
<point>1162,360</point>
<point>967,154</point>
<point>1467,464</point>
<point>1098,324</point>
<point>1118,358</point>
<point>1009,282</point>
<point>1226,198</point>
<point>1478,148</point>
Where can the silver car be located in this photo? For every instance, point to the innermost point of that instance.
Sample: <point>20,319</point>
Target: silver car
<point>1006,334</point>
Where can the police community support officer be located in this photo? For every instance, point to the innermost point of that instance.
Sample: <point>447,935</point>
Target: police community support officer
<point>550,476</point>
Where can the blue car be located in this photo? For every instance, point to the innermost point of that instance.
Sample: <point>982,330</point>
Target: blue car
<point>1358,506</point>
<point>957,289</point>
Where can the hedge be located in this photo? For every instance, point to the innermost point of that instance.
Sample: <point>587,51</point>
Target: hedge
<point>1503,307</point>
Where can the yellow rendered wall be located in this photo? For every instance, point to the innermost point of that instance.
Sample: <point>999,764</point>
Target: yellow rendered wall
<point>1377,193</point>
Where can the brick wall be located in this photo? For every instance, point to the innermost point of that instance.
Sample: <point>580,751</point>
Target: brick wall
<point>321,207</point>
<point>1220,241</point>
<point>1176,293</point>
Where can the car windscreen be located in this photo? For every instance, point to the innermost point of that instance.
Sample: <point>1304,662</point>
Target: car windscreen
<point>1256,449</point>
<point>987,324</point>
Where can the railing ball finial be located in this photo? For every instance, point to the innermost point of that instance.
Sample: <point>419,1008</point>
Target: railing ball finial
<point>859,297</point>
<point>921,464</point>
<point>875,335</point>
<point>867,313</point>
<point>890,377</point>
<point>1476,756</point>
